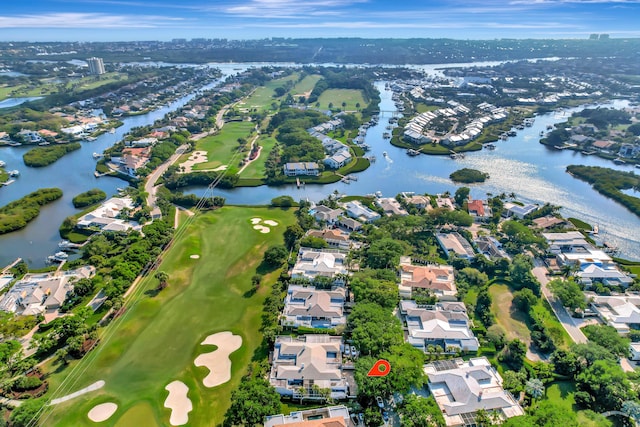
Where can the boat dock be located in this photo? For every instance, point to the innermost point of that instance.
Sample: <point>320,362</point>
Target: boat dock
<point>10,266</point>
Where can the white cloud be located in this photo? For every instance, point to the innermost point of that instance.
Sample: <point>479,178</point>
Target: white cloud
<point>85,20</point>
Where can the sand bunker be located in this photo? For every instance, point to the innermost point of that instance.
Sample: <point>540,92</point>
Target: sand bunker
<point>102,412</point>
<point>262,228</point>
<point>194,256</point>
<point>256,220</point>
<point>195,158</point>
<point>218,361</point>
<point>270,222</point>
<point>178,402</point>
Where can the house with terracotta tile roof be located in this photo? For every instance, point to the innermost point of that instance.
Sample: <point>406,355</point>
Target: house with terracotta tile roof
<point>437,279</point>
<point>479,210</point>
<point>332,416</point>
<point>334,237</point>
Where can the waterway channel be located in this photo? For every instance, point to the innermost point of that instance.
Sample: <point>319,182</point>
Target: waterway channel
<point>520,165</point>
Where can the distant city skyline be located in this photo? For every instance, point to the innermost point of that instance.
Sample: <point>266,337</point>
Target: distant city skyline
<point>123,20</point>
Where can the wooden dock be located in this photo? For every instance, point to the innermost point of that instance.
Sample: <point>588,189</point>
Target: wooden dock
<point>10,266</point>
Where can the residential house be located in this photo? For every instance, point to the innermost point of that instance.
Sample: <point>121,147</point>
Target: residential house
<point>629,150</point>
<point>548,221</point>
<point>325,214</point>
<point>39,293</point>
<point>634,349</point>
<point>462,388</point>
<point>437,279</point>
<point>420,202</point>
<point>607,274</point>
<point>314,308</point>
<point>519,211</point>
<point>390,206</point>
<point>349,223</point>
<point>571,248</point>
<point>142,142</point>
<point>490,247</point>
<point>444,324</point>
<point>312,263</point>
<point>334,237</point>
<point>302,366</point>
<point>106,216</point>
<point>358,211</point>
<point>129,164</point>
<point>602,144</point>
<point>301,168</point>
<point>620,311</point>
<point>454,243</point>
<point>30,136</point>
<point>479,210</point>
<point>445,202</point>
<point>339,159</point>
<point>332,416</point>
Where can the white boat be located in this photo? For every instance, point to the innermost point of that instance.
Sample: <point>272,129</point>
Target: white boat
<point>66,245</point>
<point>14,173</point>
<point>97,155</point>
<point>57,257</point>
<point>2,164</point>
<point>112,130</point>
<point>384,153</point>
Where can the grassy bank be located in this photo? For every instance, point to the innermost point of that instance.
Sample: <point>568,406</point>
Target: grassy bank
<point>158,338</point>
<point>19,213</point>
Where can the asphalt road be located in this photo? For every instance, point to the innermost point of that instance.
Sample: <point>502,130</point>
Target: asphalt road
<point>561,313</point>
<point>149,187</point>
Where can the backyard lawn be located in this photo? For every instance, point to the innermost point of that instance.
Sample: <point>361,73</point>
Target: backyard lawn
<point>337,96</point>
<point>157,339</point>
<point>222,146</point>
<point>507,316</point>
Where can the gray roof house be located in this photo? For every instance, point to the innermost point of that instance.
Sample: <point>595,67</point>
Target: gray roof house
<point>462,388</point>
<point>302,364</point>
<point>312,263</point>
<point>314,308</point>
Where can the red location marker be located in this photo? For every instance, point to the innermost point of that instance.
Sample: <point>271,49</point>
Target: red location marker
<point>380,369</point>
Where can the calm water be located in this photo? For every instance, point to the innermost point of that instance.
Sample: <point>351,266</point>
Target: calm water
<point>520,165</point>
<point>12,102</point>
<point>74,174</point>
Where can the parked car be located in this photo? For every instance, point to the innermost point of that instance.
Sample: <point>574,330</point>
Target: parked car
<point>347,350</point>
<point>380,402</point>
<point>354,352</point>
<point>385,417</point>
<point>361,418</point>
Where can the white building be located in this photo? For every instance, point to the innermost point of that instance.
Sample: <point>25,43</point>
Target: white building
<point>302,365</point>
<point>333,416</point>
<point>96,66</point>
<point>314,308</point>
<point>357,210</point>
<point>454,243</point>
<point>312,263</point>
<point>462,388</point>
<point>106,216</point>
<point>444,324</point>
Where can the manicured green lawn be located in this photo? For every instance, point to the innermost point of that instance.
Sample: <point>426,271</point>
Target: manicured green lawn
<point>156,341</point>
<point>338,96</point>
<point>222,146</point>
<point>562,393</point>
<point>257,169</point>
<point>305,85</point>
<point>263,97</point>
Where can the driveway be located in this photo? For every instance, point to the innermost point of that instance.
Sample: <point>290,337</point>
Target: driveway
<point>149,187</point>
<point>561,313</point>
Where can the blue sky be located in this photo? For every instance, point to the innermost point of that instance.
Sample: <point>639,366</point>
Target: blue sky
<point>107,20</point>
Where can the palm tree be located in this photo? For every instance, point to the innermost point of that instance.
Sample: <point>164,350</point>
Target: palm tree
<point>534,388</point>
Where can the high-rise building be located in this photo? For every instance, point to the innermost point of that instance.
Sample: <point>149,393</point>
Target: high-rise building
<point>96,66</point>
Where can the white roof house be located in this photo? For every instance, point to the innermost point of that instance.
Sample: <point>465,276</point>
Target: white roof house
<point>462,388</point>
<point>390,206</point>
<point>312,263</point>
<point>358,211</point>
<point>300,363</point>
<point>445,324</point>
<point>456,244</point>
<point>332,416</point>
<point>571,248</point>
<point>622,312</point>
<point>106,218</point>
<point>314,308</point>
<point>325,213</point>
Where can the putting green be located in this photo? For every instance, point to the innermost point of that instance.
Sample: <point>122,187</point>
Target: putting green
<point>159,337</point>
